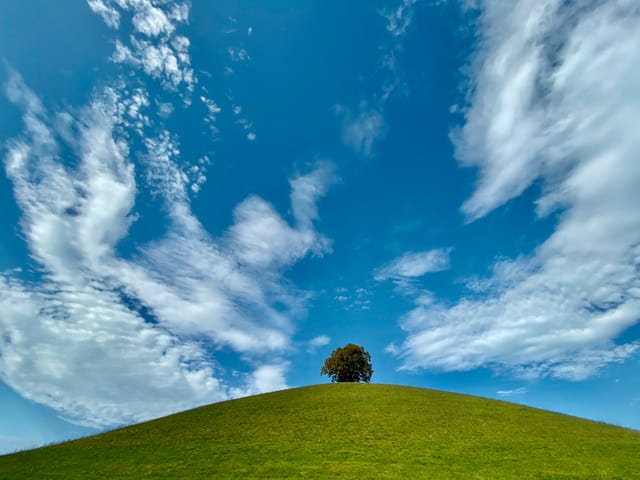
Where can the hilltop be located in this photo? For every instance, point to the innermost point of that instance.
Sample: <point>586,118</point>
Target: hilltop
<point>345,431</point>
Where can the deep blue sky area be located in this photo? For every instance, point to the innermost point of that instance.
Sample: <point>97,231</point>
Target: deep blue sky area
<point>201,200</point>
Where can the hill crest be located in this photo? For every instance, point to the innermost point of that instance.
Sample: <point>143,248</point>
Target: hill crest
<point>346,431</point>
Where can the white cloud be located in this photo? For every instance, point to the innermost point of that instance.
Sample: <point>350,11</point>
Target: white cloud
<point>511,393</point>
<point>238,54</point>
<point>362,129</point>
<point>505,126</point>
<point>359,299</point>
<point>261,238</point>
<point>269,378</point>
<point>212,111</point>
<point>150,20</point>
<point>169,63</point>
<point>245,123</point>
<point>320,341</point>
<point>79,351</point>
<point>165,109</point>
<point>400,18</point>
<point>123,54</point>
<point>154,45</point>
<point>108,13</point>
<point>106,340</point>
<point>157,48</point>
<point>266,378</point>
<point>306,190</point>
<point>556,96</point>
<point>415,264</point>
<point>398,22</point>
<point>70,343</point>
<point>163,175</point>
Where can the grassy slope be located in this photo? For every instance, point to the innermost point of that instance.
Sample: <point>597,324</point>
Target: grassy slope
<point>346,431</point>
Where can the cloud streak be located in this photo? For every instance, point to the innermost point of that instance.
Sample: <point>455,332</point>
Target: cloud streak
<point>414,264</point>
<point>511,393</point>
<point>400,18</point>
<point>364,126</point>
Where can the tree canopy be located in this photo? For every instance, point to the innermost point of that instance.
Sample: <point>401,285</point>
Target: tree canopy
<point>351,363</point>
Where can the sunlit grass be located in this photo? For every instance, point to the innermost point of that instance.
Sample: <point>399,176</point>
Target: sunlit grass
<point>353,431</point>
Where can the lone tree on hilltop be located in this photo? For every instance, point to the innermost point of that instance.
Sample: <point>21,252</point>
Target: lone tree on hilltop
<point>351,363</point>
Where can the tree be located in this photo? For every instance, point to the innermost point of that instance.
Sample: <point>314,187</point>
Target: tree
<point>351,363</point>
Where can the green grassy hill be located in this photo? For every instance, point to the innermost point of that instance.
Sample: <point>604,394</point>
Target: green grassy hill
<point>351,431</point>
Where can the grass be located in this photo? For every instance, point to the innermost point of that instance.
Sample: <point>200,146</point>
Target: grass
<point>350,431</point>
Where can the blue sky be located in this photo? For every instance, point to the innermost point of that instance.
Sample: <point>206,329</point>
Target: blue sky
<point>201,200</point>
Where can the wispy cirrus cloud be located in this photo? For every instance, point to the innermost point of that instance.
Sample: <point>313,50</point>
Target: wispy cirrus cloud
<point>107,340</point>
<point>399,18</point>
<point>318,342</point>
<point>361,129</point>
<point>555,96</point>
<point>414,264</point>
<point>365,125</point>
<point>511,393</point>
<point>406,270</point>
